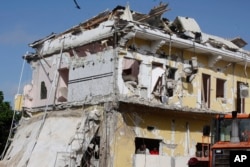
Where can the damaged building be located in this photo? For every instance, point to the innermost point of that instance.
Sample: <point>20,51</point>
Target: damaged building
<point>123,79</point>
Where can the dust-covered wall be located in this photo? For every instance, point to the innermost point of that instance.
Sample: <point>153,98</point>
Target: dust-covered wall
<point>56,138</point>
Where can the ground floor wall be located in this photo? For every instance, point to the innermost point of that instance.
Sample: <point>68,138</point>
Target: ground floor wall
<point>175,134</point>
<point>106,135</point>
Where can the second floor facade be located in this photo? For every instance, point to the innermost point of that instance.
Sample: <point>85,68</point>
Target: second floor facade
<point>123,56</point>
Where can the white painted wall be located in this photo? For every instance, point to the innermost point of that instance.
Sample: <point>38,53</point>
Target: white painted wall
<point>92,77</point>
<point>143,160</point>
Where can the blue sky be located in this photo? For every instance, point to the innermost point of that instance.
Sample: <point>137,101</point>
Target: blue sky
<point>25,21</point>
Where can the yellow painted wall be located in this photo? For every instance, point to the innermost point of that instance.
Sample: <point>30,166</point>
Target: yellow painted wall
<point>191,92</point>
<point>171,126</point>
<point>18,102</point>
<point>133,123</point>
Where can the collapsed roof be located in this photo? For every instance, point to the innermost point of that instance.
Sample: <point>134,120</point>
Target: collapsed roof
<point>182,28</point>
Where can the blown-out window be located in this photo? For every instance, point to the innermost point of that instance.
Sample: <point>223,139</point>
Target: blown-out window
<point>220,88</point>
<point>171,72</point>
<point>130,70</point>
<point>206,87</point>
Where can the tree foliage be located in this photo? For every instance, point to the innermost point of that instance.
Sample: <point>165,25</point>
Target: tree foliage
<point>6,114</point>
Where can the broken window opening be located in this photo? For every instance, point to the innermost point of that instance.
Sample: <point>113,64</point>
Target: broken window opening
<point>220,88</point>
<point>130,70</point>
<point>43,91</point>
<point>170,92</point>
<point>64,76</point>
<point>91,155</point>
<point>240,102</point>
<point>171,72</point>
<point>63,85</point>
<point>170,81</point>
<point>157,79</point>
<point>153,145</point>
<point>206,86</point>
<point>158,87</point>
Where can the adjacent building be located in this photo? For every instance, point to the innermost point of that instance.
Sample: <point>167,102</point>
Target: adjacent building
<point>123,79</point>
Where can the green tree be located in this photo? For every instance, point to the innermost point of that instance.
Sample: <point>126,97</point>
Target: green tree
<point>6,114</point>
